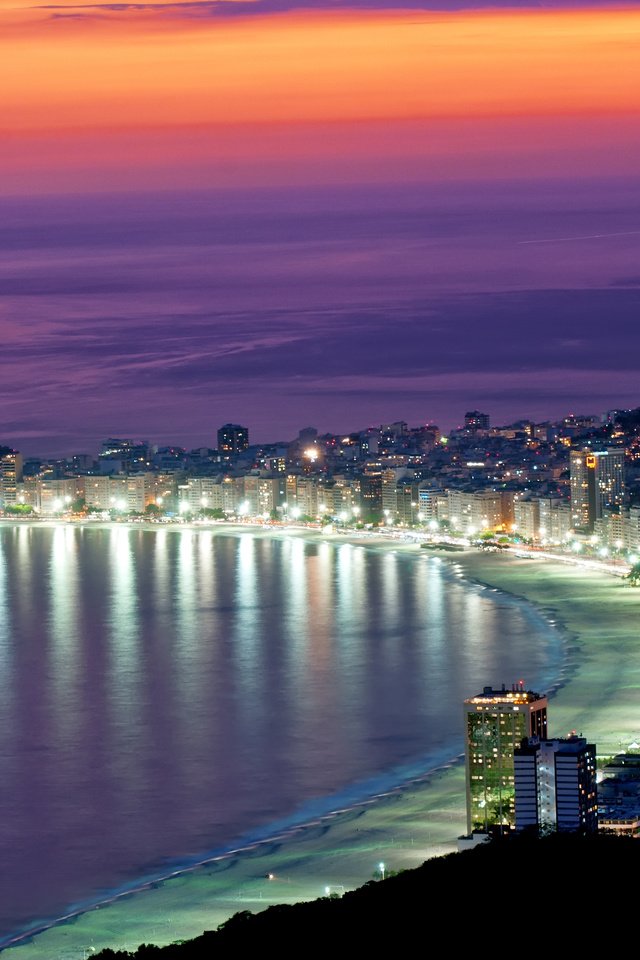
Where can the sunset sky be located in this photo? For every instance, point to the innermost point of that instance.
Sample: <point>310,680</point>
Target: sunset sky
<point>287,214</point>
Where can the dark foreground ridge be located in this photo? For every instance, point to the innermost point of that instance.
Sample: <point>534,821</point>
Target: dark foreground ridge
<point>561,889</point>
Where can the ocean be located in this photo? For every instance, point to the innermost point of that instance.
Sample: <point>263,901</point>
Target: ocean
<point>170,693</point>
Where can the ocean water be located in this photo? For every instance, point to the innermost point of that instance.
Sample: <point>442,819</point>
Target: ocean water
<point>170,693</point>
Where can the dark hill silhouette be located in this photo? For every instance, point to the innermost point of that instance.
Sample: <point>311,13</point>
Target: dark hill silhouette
<point>558,893</point>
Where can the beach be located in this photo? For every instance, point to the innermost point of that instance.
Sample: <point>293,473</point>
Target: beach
<point>596,694</point>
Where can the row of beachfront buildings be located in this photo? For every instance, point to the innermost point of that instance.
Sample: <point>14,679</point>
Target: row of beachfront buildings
<point>385,497</point>
<point>545,482</point>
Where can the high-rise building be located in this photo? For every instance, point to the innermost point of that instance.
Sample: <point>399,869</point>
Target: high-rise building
<point>496,722</point>
<point>232,440</point>
<point>371,495</point>
<point>10,476</point>
<point>556,785</point>
<point>597,484</point>
<point>475,420</point>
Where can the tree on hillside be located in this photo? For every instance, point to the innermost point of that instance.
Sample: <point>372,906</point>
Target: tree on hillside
<point>633,577</point>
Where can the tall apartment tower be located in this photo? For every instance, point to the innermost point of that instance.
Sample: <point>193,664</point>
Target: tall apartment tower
<point>556,785</point>
<point>10,476</point>
<point>597,485</point>
<point>232,440</point>
<point>475,420</point>
<point>496,723</point>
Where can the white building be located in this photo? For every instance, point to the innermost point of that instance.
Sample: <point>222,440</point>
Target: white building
<point>555,785</point>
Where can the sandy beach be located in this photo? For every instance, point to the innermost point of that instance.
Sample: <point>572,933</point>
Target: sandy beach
<point>596,695</point>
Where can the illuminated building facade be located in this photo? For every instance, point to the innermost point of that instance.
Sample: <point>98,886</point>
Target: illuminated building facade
<point>232,440</point>
<point>597,484</point>
<point>475,420</point>
<point>371,494</point>
<point>526,518</point>
<point>555,519</point>
<point>556,785</point>
<point>496,722</point>
<point>10,476</point>
<point>124,456</point>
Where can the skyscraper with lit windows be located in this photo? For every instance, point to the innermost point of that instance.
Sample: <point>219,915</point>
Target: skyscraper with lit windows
<point>496,723</point>
<point>10,476</point>
<point>597,484</point>
<point>232,440</point>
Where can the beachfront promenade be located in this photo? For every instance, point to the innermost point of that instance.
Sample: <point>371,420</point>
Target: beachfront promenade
<point>595,694</point>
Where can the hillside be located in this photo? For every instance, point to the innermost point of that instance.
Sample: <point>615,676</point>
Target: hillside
<point>563,887</point>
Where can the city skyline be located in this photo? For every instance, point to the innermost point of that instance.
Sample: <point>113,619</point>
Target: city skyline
<point>276,438</point>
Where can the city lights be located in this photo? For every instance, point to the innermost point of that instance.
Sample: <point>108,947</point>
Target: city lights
<point>384,491</point>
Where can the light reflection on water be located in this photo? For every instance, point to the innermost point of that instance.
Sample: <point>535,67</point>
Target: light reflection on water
<point>164,693</point>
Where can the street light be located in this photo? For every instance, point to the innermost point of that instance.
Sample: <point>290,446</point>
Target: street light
<point>333,886</point>
<point>381,869</point>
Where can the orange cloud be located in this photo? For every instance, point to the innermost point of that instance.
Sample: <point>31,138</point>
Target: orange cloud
<point>136,69</point>
<point>78,80</point>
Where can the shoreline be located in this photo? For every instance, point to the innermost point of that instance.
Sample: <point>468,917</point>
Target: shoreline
<point>272,838</point>
<point>308,859</point>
